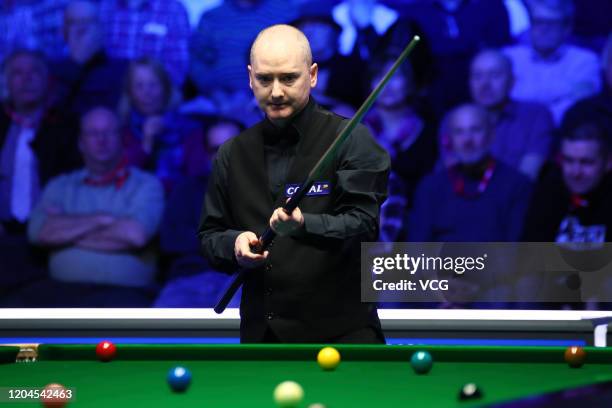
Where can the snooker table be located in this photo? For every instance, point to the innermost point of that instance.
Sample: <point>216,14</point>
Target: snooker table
<point>245,375</point>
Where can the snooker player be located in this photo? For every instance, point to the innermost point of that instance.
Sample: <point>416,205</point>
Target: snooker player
<point>306,287</point>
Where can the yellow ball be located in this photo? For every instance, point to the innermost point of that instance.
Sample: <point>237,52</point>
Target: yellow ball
<point>288,394</point>
<point>328,358</point>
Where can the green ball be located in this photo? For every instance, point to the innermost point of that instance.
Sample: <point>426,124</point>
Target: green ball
<point>421,362</point>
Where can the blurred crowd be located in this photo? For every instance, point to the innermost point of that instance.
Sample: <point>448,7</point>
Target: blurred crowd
<point>499,128</point>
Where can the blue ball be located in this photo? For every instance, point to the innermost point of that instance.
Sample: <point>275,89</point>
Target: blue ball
<point>179,378</point>
<point>421,362</point>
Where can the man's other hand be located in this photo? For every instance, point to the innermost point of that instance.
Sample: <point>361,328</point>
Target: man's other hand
<point>243,251</point>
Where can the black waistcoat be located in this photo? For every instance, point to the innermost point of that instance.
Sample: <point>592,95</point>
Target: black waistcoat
<point>309,290</point>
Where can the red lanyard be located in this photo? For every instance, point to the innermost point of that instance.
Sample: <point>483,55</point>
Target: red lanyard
<point>117,176</point>
<point>21,120</point>
<point>578,201</point>
<point>458,181</point>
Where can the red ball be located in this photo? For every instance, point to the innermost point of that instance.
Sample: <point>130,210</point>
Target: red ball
<point>575,356</point>
<point>106,351</point>
<point>55,396</point>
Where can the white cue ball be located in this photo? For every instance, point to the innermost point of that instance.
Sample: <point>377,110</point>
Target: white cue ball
<point>288,394</point>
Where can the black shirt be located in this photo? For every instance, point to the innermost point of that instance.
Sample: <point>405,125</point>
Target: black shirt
<point>360,156</point>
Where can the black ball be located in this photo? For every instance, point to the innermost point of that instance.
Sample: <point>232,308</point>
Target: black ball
<point>470,391</point>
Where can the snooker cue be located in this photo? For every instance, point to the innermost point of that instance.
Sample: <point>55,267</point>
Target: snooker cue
<point>318,169</point>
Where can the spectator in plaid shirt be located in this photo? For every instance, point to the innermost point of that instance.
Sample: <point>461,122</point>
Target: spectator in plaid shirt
<point>87,77</point>
<point>153,28</point>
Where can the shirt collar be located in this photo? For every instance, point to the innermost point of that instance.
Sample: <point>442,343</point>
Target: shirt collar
<point>508,111</point>
<point>551,59</point>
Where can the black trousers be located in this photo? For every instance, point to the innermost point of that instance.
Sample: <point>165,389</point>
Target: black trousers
<point>366,335</point>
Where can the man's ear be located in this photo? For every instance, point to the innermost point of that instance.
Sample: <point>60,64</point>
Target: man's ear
<point>250,76</point>
<point>314,71</point>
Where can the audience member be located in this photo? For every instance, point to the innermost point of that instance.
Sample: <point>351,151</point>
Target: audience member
<point>37,143</point>
<point>573,204</point>
<point>149,28</point>
<point>549,69</point>
<point>220,48</point>
<point>97,223</point>
<point>191,281</point>
<point>523,130</point>
<point>595,109</point>
<point>572,207</point>
<point>336,82</point>
<point>88,76</point>
<point>455,30</point>
<point>403,126</point>
<point>154,132</point>
<point>480,199</point>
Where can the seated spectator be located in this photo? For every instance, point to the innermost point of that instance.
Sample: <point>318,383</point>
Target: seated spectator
<point>573,204</point>
<point>480,199</point>
<point>595,109</point>
<point>402,125</point>
<point>37,143</point>
<point>191,281</point>
<point>97,223</point>
<point>88,76</point>
<point>220,51</point>
<point>523,130</point>
<point>156,29</point>
<point>337,73</point>
<point>154,132</point>
<point>549,70</point>
<point>455,30</point>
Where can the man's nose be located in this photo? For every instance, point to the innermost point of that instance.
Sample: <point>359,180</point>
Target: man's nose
<point>575,171</point>
<point>277,90</point>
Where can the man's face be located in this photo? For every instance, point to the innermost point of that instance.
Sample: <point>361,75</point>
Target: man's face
<point>469,135</point>
<point>26,78</point>
<point>549,29</point>
<point>490,81</point>
<point>396,92</point>
<point>147,91</point>
<point>81,26</point>
<point>100,141</point>
<point>582,164</point>
<point>281,80</point>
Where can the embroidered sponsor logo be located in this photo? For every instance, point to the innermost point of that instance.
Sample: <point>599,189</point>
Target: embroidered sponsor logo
<point>318,188</point>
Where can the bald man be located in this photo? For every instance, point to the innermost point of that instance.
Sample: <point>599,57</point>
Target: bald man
<point>306,287</point>
<point>96,223</point>
<point>523,130</point>
<point>480,199</point>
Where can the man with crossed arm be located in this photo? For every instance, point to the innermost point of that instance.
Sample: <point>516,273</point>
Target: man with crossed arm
<point>97,222</point>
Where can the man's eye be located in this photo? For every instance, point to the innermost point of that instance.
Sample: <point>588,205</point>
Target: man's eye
<point>289,79</point>
<point>264,79</point>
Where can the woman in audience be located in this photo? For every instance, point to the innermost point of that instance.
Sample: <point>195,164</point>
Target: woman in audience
<point>153,130</point>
